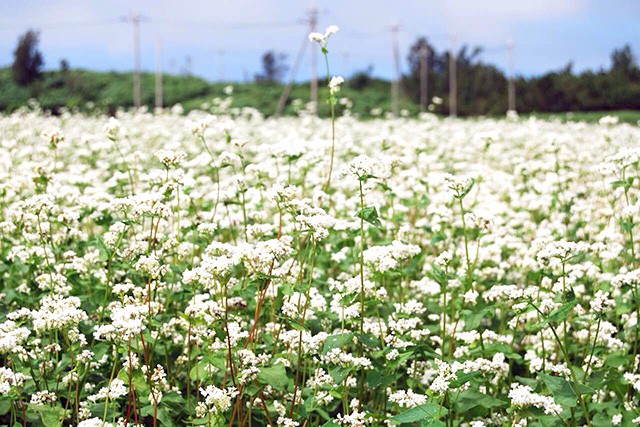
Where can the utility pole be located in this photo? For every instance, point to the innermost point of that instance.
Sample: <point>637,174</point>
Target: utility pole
<point>221,53</point>
<point>287,88</point>
<point>158,73</point>
<point>135,19</point>
<point>511,86</point>
<point>187,65</point>
<point>453,79</point>
<point>312,20</point>
<point>395,85</point>
<point>345,63</point>
<point>424,77</point>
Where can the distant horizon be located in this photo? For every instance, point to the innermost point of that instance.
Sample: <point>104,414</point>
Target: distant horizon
<point>225,41</point>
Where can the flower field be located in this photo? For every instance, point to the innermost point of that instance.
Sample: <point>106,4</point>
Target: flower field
<point>170,270</point>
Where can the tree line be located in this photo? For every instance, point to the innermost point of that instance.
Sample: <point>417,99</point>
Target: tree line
<point>482,87</point>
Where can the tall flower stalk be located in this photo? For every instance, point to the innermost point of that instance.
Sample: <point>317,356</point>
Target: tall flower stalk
<point>334,86</point>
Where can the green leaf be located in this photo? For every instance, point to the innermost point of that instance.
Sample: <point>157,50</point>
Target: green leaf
<point>336,341</point>
<point>427,410</point>
<point>462,378</point>
<point>561,312</point>
<point>557,315</point>
<point>470,399</point>
<point>616,360</point>
<point>275,376</point>
<point>330,423</point>
<point>370,215</point>
<point>51,417</point>
<point>369,340</point>
<point>563,392</point>
<point>376,379</point>
<point>5,406</point>
<point>431,422</point>
<point>339,374</point>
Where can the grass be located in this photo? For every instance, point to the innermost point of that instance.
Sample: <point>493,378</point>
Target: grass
<point>108,91</point>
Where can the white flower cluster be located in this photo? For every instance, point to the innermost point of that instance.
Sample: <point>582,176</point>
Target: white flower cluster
<point>170,158</point>
<point>9,380</point>
<point>216,400</point>
<point>383,258</point>
<point>323,38</point>
<point>114,390</point>
<point>522,396</point>
<point>406,398</point>
<point>334,84</point>
<point>58,312</point>
<point>601,301</point>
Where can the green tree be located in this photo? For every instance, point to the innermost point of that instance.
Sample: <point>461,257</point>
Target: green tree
<point>28,61</point>
<point>623,62</point>
<point>273,67</point>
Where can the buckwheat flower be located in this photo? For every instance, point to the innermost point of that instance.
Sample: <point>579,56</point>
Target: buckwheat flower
<point>406,398</point>
<point>601,301</point>
<point>151,265</point>
<point>170,158</point>
<point>57,312</point>
<point>111,237</point>
<point>357,417</point>
<point>460,186</point>
<point>53,136</point>
<point>219,400</point>
<point>127,321</point>
<point>317,37</point>
<point>114,390</point>
<point>9,380</point>
<point>471,297</point>
<point>608,120</point>
<point>334,84</point>
<point>523,395</point>
<point>633,379</point>
<point>561,250</point>
<point>443,259</point>
<point>199,127</point>
<point>322,38</point>
<point>287,422</point>
<point>94,422</point>
<point>112,129</point>
<point>383,258</point>
<point>282,195</point>
<point>12,337</point>
<point>362,167</point>
<point>616,420</point>
<point>43,397</point>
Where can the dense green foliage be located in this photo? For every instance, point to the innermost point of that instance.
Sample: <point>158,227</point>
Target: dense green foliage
<point>481,90</point>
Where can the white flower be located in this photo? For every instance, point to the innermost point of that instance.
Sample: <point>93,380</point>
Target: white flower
<point>334,84</point>
<point>523,395</point>
<point>322,38</point>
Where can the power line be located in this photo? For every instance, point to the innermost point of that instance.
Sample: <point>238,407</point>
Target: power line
<point>62,25</point>
<point>228,26</point>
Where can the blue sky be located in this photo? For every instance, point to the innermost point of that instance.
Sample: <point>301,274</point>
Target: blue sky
<point>547,33</point>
